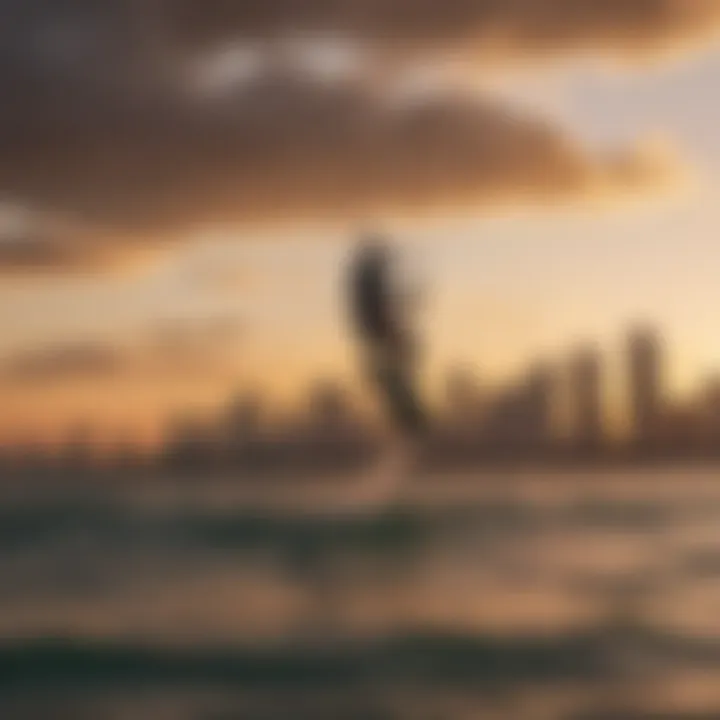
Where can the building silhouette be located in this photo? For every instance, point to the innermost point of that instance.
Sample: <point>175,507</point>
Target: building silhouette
<point>241,427</point>
<point>192,443</point>
<point>463,400</point>
<point>539,403</point>
<point>645,366</point>
<point>521,417</point>
<point>332,430</point>
<point>329,409</point>
<point>709,410</point>
<point>586,399</point>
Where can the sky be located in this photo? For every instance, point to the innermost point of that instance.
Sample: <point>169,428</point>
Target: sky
<point>181,182</point>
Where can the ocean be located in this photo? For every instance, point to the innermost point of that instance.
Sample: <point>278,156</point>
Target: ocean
<point>511,595</point>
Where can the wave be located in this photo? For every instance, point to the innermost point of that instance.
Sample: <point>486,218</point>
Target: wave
<point>420,657</point>
<point>593,655</point>
<point>247,529</point>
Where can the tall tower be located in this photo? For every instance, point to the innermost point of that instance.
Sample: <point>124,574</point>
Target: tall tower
<point>329,408</point>
<point>539,405</point>
<point>646,382</point>
<point>244,419</point>
<point>462,396</point>
<point>586,398</point>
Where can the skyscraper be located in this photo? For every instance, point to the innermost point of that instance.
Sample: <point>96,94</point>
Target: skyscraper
<point>244,419</point>
<point>586,398</point>
<point>539,406</point>
<point>462,397</point>
<point>329,409</point>
<point>646,388</point>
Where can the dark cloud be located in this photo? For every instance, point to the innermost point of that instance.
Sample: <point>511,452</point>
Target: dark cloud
<point>521,27</point>
<point>66,32</point>
<point>99,125</point>
<point>289,147</point>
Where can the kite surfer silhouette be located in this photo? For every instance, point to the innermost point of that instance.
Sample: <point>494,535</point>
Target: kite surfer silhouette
<point>382,314</point>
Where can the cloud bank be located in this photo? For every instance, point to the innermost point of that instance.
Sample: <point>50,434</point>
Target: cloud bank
<point>520,27</point>
<point>172,350</point>
<point>99,126</point>
<point>288,148</point>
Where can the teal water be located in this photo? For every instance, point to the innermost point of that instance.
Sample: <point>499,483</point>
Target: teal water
<point>529,595</point>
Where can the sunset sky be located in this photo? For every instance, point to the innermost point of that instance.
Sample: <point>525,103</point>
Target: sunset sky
<point>181,182</point>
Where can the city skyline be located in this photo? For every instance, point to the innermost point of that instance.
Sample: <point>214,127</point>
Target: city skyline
<point>562,400</point>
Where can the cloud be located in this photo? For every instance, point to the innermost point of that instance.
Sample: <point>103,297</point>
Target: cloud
<point>288,148</point>
<point>170,351</point>
<point>45,254</point>
<point>230,281</point>
<point>516,27</point>
<point>192,342</point>
<point>41,244</point>
<point>100,127</point>
<point>63,362</point>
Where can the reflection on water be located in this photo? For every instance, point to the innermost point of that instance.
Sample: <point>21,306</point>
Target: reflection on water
<point>522,596</point>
